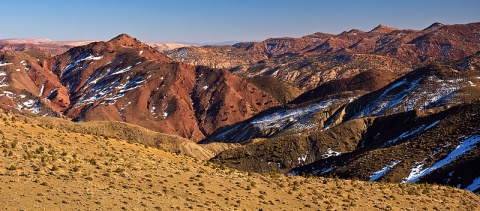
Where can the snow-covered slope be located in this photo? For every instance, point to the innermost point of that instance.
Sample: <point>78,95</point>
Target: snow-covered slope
<point>416,128</point>
<point>424,88</point>
<point>418,146</point>
<point>289,119</point>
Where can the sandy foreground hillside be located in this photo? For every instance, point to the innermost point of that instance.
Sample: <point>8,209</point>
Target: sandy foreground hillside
<point>52,168</point>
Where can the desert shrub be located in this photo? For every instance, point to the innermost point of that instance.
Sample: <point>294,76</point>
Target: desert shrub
<point>39,150</point>
<point>12,167</point>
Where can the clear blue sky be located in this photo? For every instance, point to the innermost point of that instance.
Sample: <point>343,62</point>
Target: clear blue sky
<point>219,20</point>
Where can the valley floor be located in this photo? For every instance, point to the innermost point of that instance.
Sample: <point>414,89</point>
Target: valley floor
<point>45,169</point>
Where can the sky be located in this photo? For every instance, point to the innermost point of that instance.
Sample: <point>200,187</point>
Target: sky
<point>209,21</point>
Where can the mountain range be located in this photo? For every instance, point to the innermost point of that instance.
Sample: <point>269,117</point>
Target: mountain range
<point>59,47</point>
<point>389,105</point>
<point>126,80</point>
<point>314,59</point>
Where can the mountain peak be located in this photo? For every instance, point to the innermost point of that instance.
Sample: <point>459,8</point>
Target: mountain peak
<point>434,26</point>
<point>353,31</point>
<point>124,39</point>
<point>382,29</point>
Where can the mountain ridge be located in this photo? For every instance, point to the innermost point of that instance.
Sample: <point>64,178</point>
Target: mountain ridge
<point>92,82</point>
<point>351,138</point>
<point>306,58</point>
<point>59,47</point>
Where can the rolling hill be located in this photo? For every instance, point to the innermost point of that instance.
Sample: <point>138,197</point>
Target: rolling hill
<point>45,167</point>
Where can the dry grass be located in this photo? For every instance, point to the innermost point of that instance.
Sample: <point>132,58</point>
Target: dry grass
<point>43,168</point>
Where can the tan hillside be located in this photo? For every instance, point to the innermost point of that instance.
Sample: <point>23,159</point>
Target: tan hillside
<point>43,168</point>
<point>134,134</point>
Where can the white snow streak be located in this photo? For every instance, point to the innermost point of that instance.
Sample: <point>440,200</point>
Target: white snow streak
<point>4,64</point>
<point>411,132</point>
<point>461,149</point>
<point>378,174</point>
<point>42,90</point>
<point>91,57</point>
<point>323,171</point>
<point>474,186</point>
<point>122,70</point>
<point>287,116</point>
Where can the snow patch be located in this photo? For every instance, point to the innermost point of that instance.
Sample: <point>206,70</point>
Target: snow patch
<point>378,174</point>
<point>380,103</point>
<point>412,95</point>
<point>330,153</point>
<point>99,91</point>
<point>81,58</point>
<point>41,90</point>
<point>122,71</point>
<point>4,64</point>
<point>443,93</point>
<point>8,94</point>
<point>29,103</point>
<point>467,145</point>
<point>302,158</point>
<point>323,171</point>
<point>474,186</point>
<point>123,89</point>
<point>140,53</point>
<point>91,57</point>
<point>410,133</point>
<point>286,117</point>
<point>152,109</point>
